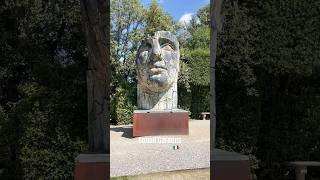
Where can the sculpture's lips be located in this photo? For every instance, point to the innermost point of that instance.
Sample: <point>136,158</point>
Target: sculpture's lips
<point>157,70</point>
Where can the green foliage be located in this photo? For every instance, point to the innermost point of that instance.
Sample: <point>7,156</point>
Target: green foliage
<point>184,76</point>
<point>236,50</point>
<point>43,143</point>
<point>204,15</point>
<point>43,155</point>
<point>195,65</point>
<point>3,117</point>
<point>42,89</point>
<point>266,93</point>
<point>290,36</point>
<point>122,107</point>
<point>237,105</point>
<point>289,59</point>
<point>184,89</point>
<point>199,61</point>
<point>127,18</point>
<point>3,141</point>
<point>157,19</point>
<point>199,100</point>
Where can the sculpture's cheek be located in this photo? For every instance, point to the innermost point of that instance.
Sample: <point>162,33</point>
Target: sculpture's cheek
<point>167,55</point>
<point>175,56</point>
<point>170,56</point>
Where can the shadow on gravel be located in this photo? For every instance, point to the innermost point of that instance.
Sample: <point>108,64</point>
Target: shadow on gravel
<point>126,131</point>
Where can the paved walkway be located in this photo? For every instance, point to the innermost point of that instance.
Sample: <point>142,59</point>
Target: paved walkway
<point>131,157</point>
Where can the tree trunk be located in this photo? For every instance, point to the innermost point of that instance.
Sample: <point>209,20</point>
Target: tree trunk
<point>95,14</point>
<point>215,23</point>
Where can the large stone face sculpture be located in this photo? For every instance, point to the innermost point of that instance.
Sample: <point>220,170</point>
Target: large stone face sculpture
<point>157,71</point>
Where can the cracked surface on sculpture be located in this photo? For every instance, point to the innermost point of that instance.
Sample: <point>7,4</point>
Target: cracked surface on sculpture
<point>157,70</point>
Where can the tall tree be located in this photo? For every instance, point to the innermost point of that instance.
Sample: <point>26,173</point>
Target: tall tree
<point>126,31</point>
<point>157,19</point>
<point>96,23</point>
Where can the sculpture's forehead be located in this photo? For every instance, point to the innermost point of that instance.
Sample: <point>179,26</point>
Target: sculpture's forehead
<point>166,35</point>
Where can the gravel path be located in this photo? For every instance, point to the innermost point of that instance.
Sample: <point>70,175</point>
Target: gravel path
<point>131,157</point>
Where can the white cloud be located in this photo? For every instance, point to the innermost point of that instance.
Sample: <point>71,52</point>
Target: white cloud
<point>186,18</point>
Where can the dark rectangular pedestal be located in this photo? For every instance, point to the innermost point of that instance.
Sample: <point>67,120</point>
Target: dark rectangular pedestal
<point>147,122</point>
<point>92,167</point>
<point>229,166</point>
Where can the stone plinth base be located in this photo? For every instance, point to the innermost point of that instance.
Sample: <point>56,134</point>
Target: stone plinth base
<point>92,167</point>
<point>150,122</point>
<point>229,166</point>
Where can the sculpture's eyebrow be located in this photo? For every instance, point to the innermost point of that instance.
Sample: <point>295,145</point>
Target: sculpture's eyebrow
<point>169,37</point>
<point>168,40</point>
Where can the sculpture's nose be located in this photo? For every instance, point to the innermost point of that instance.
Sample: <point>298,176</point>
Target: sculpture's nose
<point>156,51</point>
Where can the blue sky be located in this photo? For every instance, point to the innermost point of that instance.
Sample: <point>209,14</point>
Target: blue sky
<point>180,9</point>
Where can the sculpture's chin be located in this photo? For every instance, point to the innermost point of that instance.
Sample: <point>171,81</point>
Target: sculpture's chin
<point>159,78</point>
<point>158,83</point>
<point>155,80</point>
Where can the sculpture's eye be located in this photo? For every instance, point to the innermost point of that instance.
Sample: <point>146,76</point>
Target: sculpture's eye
<point>144,56</point>
<point>144,51</point>
<point>167,47</point>
<point>166,44</point>
<point>146,46</point>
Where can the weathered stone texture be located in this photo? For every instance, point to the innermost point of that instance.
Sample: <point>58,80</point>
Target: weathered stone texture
<point>157,69</point>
